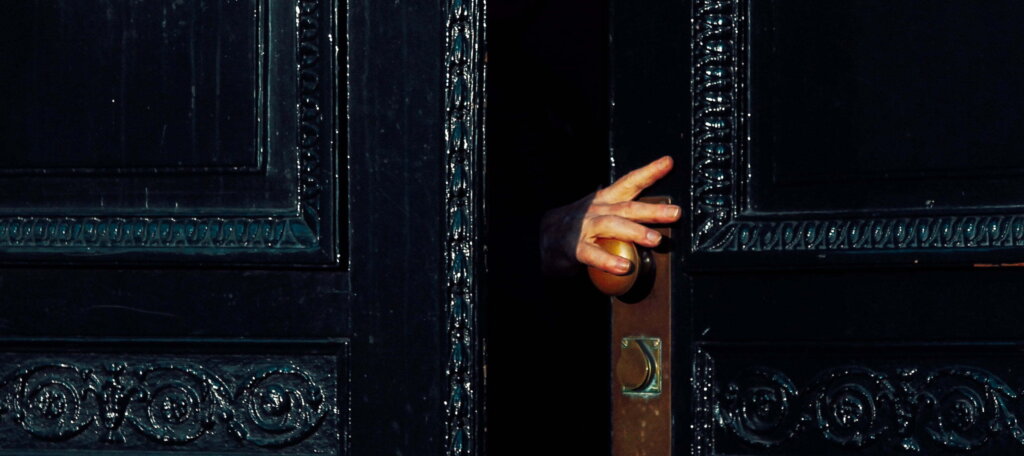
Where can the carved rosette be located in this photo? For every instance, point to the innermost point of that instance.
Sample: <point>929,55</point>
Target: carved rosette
<point>281,406</point>
<point>963,408</point>
<point>854,406</point>
<point>956,409</point>
<point>50,401</point>
<point>463,154</point>
<point>169,404</point>
<point>760,407</point>
<point>172,404</point>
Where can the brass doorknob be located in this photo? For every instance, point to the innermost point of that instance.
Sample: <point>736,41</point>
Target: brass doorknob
<point>611,284</point>
<point>635,282</point>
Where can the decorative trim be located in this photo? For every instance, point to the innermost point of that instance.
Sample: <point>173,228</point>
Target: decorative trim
<point>719,144</point>
<point>310,113</point>
<point>881,233</point>
<point>955,408</point>
<point>703,404</point>
<point>464,152</point>
<point>166,404</point>
<point>209,234</point>
<point>64,233</point>
<point>716,119</point>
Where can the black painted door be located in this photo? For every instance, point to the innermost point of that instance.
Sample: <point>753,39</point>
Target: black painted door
<point>239,227</point>
<point>845,280</point>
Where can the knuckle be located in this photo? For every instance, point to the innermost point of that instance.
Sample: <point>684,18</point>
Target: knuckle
<point>597,209</point>
<point>589,220</point>
<point>581,252</point>
<point>634,228</point>
<point>601,221</point>
<point>621,208</point>
<point>636,235</point>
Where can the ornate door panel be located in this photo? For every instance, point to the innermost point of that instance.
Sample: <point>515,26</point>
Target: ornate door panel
<point>844,283</point>
<point>206,227</point>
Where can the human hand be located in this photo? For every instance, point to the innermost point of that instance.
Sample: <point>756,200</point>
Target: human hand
<point>569,233</point>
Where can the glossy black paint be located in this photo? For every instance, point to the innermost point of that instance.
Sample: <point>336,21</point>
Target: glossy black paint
<point>834,294</point>
<point>849,103</point>
<point>286,280</point>
<point>75,70</point>
<point>260,192</point>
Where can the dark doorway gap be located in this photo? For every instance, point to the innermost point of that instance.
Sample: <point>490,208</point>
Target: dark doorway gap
<point>547,339</point>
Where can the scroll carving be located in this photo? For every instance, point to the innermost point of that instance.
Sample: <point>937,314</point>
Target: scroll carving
<point>166,403</point>
<point>956,409</point>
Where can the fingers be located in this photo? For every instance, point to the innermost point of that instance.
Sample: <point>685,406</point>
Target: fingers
<point>613,227</point>
<point>613,214</point>
<point>590,254</point>
<point>630,185</point>
<point>640,212</point>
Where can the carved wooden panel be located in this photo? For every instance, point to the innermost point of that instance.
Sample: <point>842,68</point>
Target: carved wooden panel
<point>856,127</point>
<point>139,131</point>
<point>221,402</point>
<point>869,399</point>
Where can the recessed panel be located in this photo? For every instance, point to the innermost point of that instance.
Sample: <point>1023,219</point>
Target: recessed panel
<point>192,127</point>
<point>886,104</point>
<point>117,84</point>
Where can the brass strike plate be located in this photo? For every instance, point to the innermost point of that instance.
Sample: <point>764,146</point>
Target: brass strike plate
<point>639,366</point>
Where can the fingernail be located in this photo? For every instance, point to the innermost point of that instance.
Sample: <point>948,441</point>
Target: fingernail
<point>672,211</point>
<point>622,264</point>
<point>653,236</point>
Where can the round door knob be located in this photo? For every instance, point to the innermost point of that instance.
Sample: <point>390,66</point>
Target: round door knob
<point>611,284</point>
<point>635,284</point>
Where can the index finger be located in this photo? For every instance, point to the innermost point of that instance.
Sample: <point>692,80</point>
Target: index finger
<point>630,185</point>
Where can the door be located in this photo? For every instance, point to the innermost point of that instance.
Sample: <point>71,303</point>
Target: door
<point>846,279</point>
<point>239,227</point>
